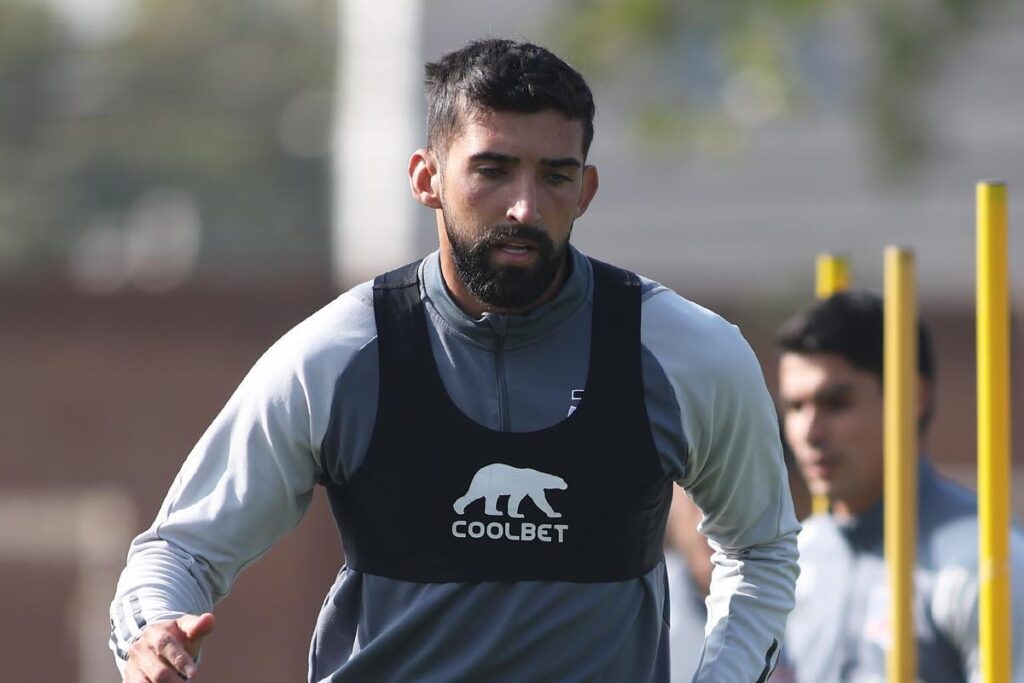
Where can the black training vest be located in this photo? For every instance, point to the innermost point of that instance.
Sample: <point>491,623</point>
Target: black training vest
<point>441,498</point>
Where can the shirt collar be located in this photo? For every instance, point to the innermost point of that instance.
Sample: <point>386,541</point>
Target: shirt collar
<point>510,327</point>
<point>866,529</point>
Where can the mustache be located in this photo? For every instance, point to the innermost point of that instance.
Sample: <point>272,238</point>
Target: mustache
<point>505,232</point>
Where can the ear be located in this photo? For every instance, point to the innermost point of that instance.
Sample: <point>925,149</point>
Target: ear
<point>425,178</point>
<point>588,190</point>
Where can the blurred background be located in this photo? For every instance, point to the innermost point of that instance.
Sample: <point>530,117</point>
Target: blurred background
<point>181,182</point>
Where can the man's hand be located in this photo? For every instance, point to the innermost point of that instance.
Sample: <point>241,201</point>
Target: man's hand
<point>166,651</point>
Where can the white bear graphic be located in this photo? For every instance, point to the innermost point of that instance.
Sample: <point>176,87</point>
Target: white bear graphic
<point>493,481</point>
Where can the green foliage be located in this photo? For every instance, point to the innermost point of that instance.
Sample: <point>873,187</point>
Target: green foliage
<point>190,98</point>
<point>732,64</point>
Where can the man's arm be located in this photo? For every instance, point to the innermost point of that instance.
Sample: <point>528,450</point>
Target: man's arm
<point>247,482</point>
<point>733,470</point>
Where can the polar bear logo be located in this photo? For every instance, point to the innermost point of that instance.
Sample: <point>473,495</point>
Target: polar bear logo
<point>496,480</point>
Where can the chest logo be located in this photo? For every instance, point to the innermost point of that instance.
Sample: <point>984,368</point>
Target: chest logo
<point>493,482</point>
<point>574,401</point>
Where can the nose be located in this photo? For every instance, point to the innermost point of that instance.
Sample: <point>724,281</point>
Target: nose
<point>522,207</point>
<point>816,427</point>
<point>804,428</point>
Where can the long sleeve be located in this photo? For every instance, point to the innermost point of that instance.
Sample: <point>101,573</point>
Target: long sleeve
<point>247,482</point>
<point>731,466</point>
<point>955,606</point>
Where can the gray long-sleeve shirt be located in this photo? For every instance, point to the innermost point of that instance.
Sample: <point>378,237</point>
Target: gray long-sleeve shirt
<point>250,479</point>
<point>840,630</point>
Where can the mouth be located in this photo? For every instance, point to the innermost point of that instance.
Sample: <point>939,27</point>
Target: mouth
<point>821,469</point>
<point>514,250</point>
<point>515,247</point>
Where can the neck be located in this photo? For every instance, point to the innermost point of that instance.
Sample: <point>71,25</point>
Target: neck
<point>850,508</point>
<point>473,306</point>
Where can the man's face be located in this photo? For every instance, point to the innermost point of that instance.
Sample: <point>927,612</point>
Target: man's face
<point>833,421</point>
<point>510,187</point>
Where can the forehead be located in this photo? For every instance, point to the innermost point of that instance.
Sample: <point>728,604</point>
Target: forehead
<point>807,373</point>
<point>544,134</point>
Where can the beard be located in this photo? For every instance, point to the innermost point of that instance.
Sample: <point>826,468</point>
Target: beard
<point>506,287</point>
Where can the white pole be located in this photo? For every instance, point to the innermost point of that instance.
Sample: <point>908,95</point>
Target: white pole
<point>378,123</point>
<point>87,529</point>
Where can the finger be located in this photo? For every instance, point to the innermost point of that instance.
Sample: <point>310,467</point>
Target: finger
<point>175,654</point>
<point>147,667</point>
<point>157,670</point>
<point>132,674</point>
<point>194,629</point>
<point>196,626</point>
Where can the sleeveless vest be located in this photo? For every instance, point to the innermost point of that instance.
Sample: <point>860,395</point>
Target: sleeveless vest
<point>441,498</point>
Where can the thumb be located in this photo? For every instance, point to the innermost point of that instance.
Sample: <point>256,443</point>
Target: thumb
<point>195,627</point>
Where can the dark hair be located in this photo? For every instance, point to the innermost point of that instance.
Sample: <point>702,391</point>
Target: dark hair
<point>502,75</point>
<point>851,324</point>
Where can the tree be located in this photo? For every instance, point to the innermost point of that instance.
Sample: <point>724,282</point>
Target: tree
<point>723,66</point>
<point>205,99</point>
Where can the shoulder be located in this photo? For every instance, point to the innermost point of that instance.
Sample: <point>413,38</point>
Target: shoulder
<point>317,349</point>
<point>949,521</point>
<point>345,320</point>
<point>691,338</point>
<point>346,323</point>
<point>825,555</point>
<point>819,532</point>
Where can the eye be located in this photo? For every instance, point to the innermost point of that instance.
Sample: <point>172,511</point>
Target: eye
<point>834,404</point>
<point>490,171</point>
<point>557,178</point>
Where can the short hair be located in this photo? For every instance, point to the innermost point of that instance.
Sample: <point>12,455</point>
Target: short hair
<point>505,76</point>
<point>851,324</point>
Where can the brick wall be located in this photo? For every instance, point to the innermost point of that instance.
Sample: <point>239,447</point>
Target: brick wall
<point>110,393</point>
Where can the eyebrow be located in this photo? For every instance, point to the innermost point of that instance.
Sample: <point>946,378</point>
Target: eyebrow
<point>562,162</point>
<point>558,162</point>
<point>833,392</point>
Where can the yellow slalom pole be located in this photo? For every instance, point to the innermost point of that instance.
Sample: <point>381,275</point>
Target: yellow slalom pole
<point>831,275</point>
<point>993,310</point>
<point>900,385</point>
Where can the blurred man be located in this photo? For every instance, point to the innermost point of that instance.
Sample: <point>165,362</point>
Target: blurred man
<point>830,388</point>
<point>689,567</point>
<point>498,428</point>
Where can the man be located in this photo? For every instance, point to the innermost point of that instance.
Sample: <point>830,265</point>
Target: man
<point>497,428</point>
<point>830,387</point>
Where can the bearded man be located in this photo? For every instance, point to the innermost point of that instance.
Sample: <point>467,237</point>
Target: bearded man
<point>498,427</point>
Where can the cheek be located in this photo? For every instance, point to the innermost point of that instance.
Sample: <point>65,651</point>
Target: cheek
<point>561,205</point>
<point>792,429</point>
<point>796,435</point>
<point>849,440</point>
<point>467,200</point>
<point>861,433</point>
<point>465,194</point>
<point>798,439</point>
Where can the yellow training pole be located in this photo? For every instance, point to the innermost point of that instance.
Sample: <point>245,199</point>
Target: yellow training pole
<point>900,385</point>
<point>993,310</point>
<point>831,275</point>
